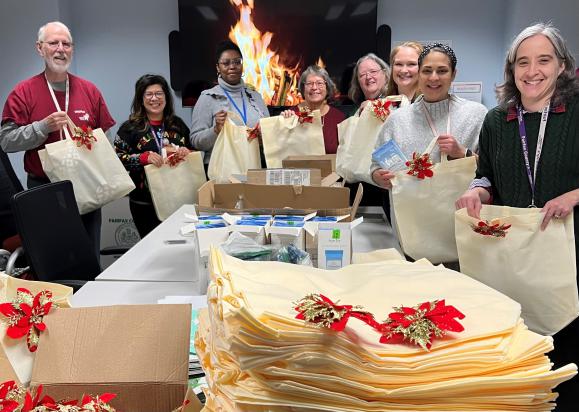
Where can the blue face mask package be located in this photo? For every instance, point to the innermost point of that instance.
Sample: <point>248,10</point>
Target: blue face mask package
<point>251,222</point>
<point>256,217</point>
<point>325,219</point>
<point>289,217</point>
<point>390,157</point>
<point>287,223</point>
<point>207,224</point>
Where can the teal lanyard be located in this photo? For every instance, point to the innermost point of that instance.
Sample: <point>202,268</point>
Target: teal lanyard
<point>242,114</point>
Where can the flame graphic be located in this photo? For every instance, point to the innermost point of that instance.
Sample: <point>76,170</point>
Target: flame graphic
<point>262,68</point>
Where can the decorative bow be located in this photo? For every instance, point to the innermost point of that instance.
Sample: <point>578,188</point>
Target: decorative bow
<point>381,108</point>
<point>305,117</point>
<point>14,398</point>
<point>254,133</point>
<point>174,160</point>
<point>318,309</point>
<point>420,166</point>
<point>421,324</point>
<point>25,315</point>
<point>83,136</point>
<point>494,228</point>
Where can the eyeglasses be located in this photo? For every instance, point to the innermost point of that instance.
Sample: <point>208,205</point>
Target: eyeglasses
<point>318,84</point>
<point>369,73</point>
<point>54,44</point>
<point>231,62</point>
<point>158,95</point>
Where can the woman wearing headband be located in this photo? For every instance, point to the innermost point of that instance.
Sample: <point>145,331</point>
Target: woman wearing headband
<point>453,121</point>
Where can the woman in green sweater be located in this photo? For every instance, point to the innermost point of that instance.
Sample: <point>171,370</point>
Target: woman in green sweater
<point>540,87</point>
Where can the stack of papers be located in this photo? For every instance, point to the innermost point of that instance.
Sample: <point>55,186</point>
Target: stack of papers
<point>258,357</point>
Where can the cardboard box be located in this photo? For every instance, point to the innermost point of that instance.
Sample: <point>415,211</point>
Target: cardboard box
<point>6,371</point>
<point>326,163</point>
<point>263,199</point>
<point>305,177</point>
<point>139,352</point>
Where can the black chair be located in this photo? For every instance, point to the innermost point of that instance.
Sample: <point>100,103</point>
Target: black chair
<point>55,241</point>
<point>9,186</point>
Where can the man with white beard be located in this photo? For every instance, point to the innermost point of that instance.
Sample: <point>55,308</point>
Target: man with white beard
<point>35,111</point>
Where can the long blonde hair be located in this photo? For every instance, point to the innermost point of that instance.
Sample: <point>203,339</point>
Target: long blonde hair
<point>392,88</point>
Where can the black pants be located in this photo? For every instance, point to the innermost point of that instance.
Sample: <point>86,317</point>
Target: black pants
<point>92,221</point>
<point>144,216</point>
<point>567,351</point>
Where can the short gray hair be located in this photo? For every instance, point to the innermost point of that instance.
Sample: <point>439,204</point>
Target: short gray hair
<point>567,84</point>
<point>355,93</point>
<point>42,30</point>
<point>317,71</point>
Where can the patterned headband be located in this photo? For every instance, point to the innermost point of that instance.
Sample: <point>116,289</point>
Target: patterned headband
<point>439,47</point>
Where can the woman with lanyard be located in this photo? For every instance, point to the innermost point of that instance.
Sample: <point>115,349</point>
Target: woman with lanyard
<point>437,122</point>
<point>529,151</point>
<point>230,95</point>
<point>152,133</point>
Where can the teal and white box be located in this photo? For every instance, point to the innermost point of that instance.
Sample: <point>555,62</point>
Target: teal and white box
<point>335,244</point>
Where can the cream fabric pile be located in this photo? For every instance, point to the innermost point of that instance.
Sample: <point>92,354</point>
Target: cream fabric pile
<point>258,357</point>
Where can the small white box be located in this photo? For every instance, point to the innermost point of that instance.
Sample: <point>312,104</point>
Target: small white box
<point>208,236</point>
<point>335,244</point>
<point>283,235</point>
<point>255,232</point>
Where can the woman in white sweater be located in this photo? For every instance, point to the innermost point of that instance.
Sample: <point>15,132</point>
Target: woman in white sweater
<point>454,122</point>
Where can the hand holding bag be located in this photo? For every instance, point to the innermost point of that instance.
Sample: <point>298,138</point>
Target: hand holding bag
<point>234,152</point>
<point>90,163</point>
<point>297,135</point>
<point>534,267</point>
<point>172,186</point>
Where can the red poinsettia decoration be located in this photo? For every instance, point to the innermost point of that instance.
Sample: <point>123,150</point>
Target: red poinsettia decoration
<point>420,166</point>
<point>381,108</point>
<point>10,393</point>
<point>173,160</point>
<point>14,398</point>
<point>305,116</point>
<point>25,315</point>
<point>421,324</point>
<point>493,228</point>
<point>254,133</point>
<point>83,136</point>
<point>317,308</point>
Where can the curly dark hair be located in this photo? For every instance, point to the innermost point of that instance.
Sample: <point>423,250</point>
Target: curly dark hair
<point>138,116</point>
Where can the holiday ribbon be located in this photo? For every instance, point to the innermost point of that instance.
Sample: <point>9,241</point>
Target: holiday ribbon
<point>14,398</point>
<point>25,316</point>
<point>419,325</point>
<point>254,133</point>
<point>493,228</point>
<point>305,117</point>
<point>174,160</point>
<point>83,136</point>
<point>420,166</point>
<point>381,108</point>
<point>317,308</point>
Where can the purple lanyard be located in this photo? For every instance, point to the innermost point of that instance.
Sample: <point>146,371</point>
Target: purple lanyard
<point>523,134</point>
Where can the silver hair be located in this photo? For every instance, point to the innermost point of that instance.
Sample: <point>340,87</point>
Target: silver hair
<point>355,93</point>
<point>567,84</point>
<point>42,30</point>
<point>317,71</point>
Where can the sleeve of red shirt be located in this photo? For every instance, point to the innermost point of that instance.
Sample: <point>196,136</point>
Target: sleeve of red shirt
<point>15,109</point>
<point>105,120</point>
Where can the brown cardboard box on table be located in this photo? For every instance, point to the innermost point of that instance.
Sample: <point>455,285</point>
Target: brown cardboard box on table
<point>278,176</point>
<point>6,371</point>
<point>326,163</point>
<point>139,352</point>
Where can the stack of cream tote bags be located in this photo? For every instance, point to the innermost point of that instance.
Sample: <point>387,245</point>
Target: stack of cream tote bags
<point>90,163</point>
<point>297,135</point>
<point>508,251</point>
<point>234,151</point>
<point>174,185</point>
<point>357,139</point>
<point>424,207</point>
<point>259,357</point>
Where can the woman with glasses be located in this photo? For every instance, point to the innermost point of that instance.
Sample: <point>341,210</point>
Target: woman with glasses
<point>230,95</point>
<point>152,132</point>
<point>318,90</point>
<point>369,80</point>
